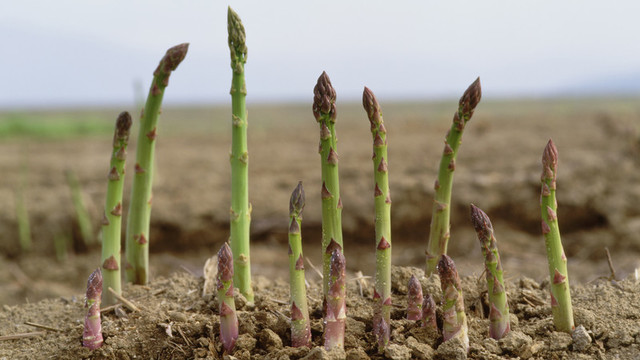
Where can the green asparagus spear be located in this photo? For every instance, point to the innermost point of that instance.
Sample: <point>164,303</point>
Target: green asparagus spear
<point>137,240</point>
<point>83,217</point>
<point>455,321</point>
<point>336,309</point>
<point>414,299</point>
<point>226,303</point>
<point>92,334</point>
<point>324,110</point>
<point>112,219</point>
<point>382,288</point>
<point>439,234</point>
<point>560,292</point>
<point>240,206</point>
<point>499,312</point>
<point>300,329</point>
<point>22,215</point>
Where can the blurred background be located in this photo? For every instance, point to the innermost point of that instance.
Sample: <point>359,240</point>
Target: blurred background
<point>567,71</point>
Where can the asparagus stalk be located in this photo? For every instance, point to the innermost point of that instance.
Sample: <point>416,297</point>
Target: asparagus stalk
<point>92,334</point>
<point>22,215</point>
<point>439,233</point>
<point>83,217</point>
<point>414,299</point>
<point>226,303</point>
<point>499,313</point>
<point>300,329</point>
<point>455,320</point>
<point>382,198</point>
<point>336,309</point>
<point>240,207</point>
<point>137,239</point>
<point>560,294</point>
<point>429,312</point>
<point>324,110</point>
<point>112,219</point>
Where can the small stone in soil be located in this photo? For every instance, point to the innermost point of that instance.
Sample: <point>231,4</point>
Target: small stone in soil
<point>270,339</point>
<point>559,341</point>
<point>357,354</point>
<point>581,339</point>
<point>419,350</point>
<point>319,353</point>
<point>452,349</point>
<point>491,345</point>
<point>246,342</point>
<point>397,352</point>
<point>514,342</point>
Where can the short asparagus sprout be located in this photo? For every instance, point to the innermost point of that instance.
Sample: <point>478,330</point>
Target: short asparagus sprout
<point>429,313</point>
<point>82,214</point>
<point>440,220</point>
<point>454,318</point>
<point>137,239</point>
<point>499,306</point>
<point>22,215</point>
<point>324,110</point>
<point>382,198</point>
<point>112,218</point>
<point>414,299</point>
<point>560,292</point>
<point>226,303</point>
<point>336,309</point>
<point>92,334</point>
<point>300,328</point>
<point>240,207</point>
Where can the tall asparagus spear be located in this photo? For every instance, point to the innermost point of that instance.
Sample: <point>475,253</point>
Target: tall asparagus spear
<point>560,294</point>
<point>336,309</point>
<point>455,321</point>
<point>226,303</point>
<point>439,234</point>
<point>137,240</point>
<point>240,207</point>
<point>382,288</point>
<point>92,334</point>
<point>324,110</point>
<point>499,313</point>
<point>300,329</point>
<point>111,222</point>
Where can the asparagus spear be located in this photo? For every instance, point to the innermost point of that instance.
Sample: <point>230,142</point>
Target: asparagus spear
<point>84,219</point>
<point>455,320</point>
<point>240,207</point>
<point>226,303</point>
<point>382,288</point>
<point>324,110</point>
<point>439,233</point>
<point>300,329</point>
<point>111,222</point>
<point>92,334</point>
<point>414,299</point>
<point>499,313</point>
<point>137,240</point>
<point>560,294</point>
<point>336,309</point>
<point>22,215</point>
<point>429,312</point>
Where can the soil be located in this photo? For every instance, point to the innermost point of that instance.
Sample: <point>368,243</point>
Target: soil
<point>497,169</point>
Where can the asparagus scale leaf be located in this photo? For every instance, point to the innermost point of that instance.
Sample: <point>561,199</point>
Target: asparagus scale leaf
<point>382,198</point>
<point>137,239</point>
<point>560,292</point>
<point>499,324</point>
<point>112,218</point>
<point>240,220</point>
<point>440,218</point>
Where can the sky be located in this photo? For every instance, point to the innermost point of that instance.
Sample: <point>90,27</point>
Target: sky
<point>85,53</point>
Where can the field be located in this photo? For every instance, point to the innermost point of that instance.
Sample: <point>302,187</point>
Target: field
<point>498,169</point>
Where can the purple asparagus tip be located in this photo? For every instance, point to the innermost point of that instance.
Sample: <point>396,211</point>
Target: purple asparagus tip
<point>414,299</point>
<point>324,98</point>
<point>471,98</point>
<point>550,162</point>
<point>92,334</point>
<point>225,263</point>
<point>429,312</point>
<point>296,204</point>
<point>481,222</point>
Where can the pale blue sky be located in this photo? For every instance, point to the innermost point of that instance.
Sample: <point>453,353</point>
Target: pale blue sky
<point>87,52</point>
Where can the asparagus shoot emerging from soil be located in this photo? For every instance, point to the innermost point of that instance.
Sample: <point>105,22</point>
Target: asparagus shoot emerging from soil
<point>22,215</point>
<point>137,240</point>
<point>560,293</point>
<point>324,110</point>
<point>112,218</point>
<point>454,319</point>
<point>300,329</point>
<point>92,334</point>
<point>499,307</point>
<point>414,299</point>
<point>226,303</point>
<point>83,217</point>
<point>429,312</point>
<point>336,309</point>
<point>240,208</point>
<point>382,198</point>
<point>439,233</point>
